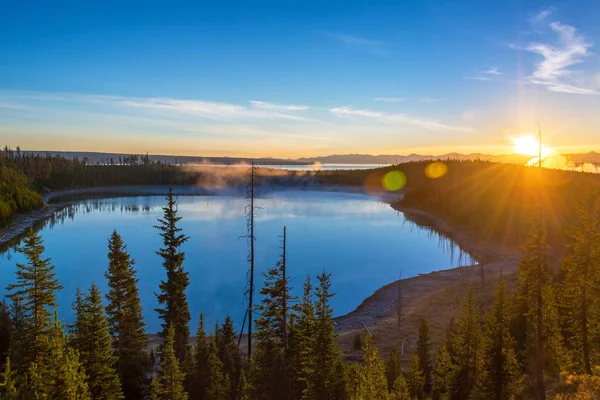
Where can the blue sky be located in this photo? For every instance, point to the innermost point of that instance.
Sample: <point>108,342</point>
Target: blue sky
<point>298,78</point>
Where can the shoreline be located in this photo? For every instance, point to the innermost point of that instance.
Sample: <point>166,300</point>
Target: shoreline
<point>435,296</point>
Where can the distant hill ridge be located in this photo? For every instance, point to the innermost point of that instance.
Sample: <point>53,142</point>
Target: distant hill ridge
<point>384,159</point>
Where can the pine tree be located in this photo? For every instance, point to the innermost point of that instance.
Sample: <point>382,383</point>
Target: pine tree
<point>218,383</point>
<point>168,385</point>
<point>444,372</point>
<point>5,332</point>
<point>172,296</point>
<point>201,375</point>
<point>126,321</point>
<point>229,354</point>
<point>58,374</point>
<point>468,355</point>
<point>393,368</point>
<point>92,339</point>
<point>415,378</point>
<point>268,373</point>
<point>301,344</point>
<point>501,369</point>
<point>243,389</point>
<point>580,289</point>
<point>400,389</point>
<point>8,389</point>
<point>373,373</point>
<point>325,352</point>
<point>423,353</point>
<point>18,346</point>
<point>34,291</point>
<point>533,333</point>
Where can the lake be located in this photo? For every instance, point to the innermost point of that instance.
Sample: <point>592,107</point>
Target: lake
<point>361,240</point>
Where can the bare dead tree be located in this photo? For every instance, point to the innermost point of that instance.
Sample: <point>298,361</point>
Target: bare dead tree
<point>250,211</point>
<point>285,289</point>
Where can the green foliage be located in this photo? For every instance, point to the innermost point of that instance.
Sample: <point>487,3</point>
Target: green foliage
<point>415,378</point>
<point>500,367</point>
<point>172,296</point>
<point>400,389</point>
<point>58,373</point>
<point>373,378</point>
<point>200,372</point>
<point>126,323</point>
<point>229,354</point>
<point>168,384</point>
<point>16,195</point>
<point>8,389</point>
<point>34,295</point>
<point>423,346</point>
<point>580,290</point>
<point>92,339</point>
<point>218,382</point>
<point>301,344</point>
<point>5,332</point>
<point>393,368</point>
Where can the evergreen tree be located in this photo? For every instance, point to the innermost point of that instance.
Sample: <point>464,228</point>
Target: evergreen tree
<point>201,375</point>
<point>18,346</point>
<point>243,389</point>
<point>301,344</point>
<point>168,385</point>
<point>268,376</point>
<point>58,374</point>
<point>229,354</point>
<point>5,332</point>
<point>92,339</point>
<point>423,352</point>
<point>8,389</point>
<point>501,369</point>
<point>468,355</point>
<point>444,372</point>
<point>580,289</point>
<point>393,368</point>
<point>218,382</point>
<point>415,378</point>
<point>126,321</point>
<point>34,292</point>
<point>325,353</point>
<point>400,389</point>
<point>172,296</point>
<point>535,327</point>
<point>374,381</point>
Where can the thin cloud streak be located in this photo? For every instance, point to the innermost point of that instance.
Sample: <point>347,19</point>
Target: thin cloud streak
<point>542,15</point>
<point>389,99</point>
<point>282,107</point>
<point>554,70</point>
<point>431,99</point>
<point>493,71</point>
<point>477,78</point>
<point>348,111</point>
<point>374,46</point>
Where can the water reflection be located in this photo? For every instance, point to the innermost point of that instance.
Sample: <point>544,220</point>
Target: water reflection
<point>362,241</point>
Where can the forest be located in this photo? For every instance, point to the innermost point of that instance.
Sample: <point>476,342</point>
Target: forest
<point>540,341</point>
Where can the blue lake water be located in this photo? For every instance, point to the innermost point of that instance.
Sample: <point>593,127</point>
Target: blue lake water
<point>362,241</point>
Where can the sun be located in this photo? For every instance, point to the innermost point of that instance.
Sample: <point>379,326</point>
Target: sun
<point>526,145</point>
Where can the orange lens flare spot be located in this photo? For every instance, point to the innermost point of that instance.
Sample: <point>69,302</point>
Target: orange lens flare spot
<point>393,180</point>
<point>436,170</point>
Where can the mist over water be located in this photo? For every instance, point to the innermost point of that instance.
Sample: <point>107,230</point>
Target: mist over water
<point>362,241</point>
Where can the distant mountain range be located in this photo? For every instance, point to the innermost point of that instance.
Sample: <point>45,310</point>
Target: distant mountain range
<point>591,157</point>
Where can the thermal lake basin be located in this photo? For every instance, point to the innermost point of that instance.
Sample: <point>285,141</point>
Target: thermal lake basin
<point>359,239</point>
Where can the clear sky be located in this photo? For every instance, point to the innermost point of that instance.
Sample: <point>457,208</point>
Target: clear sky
<point>290,79</point>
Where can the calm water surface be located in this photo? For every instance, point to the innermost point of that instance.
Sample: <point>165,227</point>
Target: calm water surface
<point>363,242</point>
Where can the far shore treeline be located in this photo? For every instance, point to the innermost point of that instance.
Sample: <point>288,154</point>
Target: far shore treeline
<point>540,339</point>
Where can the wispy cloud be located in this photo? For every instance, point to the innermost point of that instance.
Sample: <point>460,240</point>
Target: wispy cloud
<point>282,107</point>
<point>492,71</point>
<point>388,118</point>
<point>477,78</point>
<point>389,99</point>
<point>431,99</point>
<point>542,14</point>
<point>374,46</point>
<point>554,70</point>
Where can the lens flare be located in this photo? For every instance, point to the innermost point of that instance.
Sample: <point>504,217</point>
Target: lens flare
<point>436,170</point>
<point>394,180</point>
<point>526,145</point>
